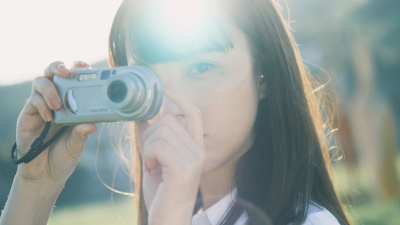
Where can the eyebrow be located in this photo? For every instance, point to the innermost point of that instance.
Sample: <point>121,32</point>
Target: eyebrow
<point>150,53</point>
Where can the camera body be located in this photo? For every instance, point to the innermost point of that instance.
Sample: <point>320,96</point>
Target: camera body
<point>108,95</point>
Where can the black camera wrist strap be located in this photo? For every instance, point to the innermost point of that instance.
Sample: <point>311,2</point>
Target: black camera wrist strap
<point>37,146</point>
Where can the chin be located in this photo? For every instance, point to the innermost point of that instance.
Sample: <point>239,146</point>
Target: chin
<point>207,168</point>
<point>210,163</point>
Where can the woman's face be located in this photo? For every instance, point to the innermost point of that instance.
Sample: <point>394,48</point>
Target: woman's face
<point>221,85</point>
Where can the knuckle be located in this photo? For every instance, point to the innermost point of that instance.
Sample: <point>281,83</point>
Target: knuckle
<point>68,147</point>
<point>35,97</point>
<point>46,70</point>
<point>168,118</point>
<point>162,129</point>
<point>160,144</point>
<point>145,145</point>
<point>80,63</point>
<point>187,171</point>
<point>37,81</point>
<point>43,85</point>
<point>154,145</point>
<point>51,67</point>
<point>197,112</point>
<point>55,63</point>
<point>37,101</point>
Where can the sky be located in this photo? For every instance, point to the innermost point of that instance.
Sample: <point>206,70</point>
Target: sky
<point>35,33</point>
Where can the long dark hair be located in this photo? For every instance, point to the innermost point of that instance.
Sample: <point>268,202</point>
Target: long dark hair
<point>289,163</point>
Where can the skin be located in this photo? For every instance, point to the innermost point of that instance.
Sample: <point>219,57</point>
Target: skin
<point>38,184</point>
<point>219,108</point>
<point>204,126</point>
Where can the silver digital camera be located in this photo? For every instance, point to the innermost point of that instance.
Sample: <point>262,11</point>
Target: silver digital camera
<point>107,95</point>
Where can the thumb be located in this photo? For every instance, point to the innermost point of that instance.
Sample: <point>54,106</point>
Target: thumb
<point>76,140</point>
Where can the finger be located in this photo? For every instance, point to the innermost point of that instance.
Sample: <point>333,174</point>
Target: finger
<point>56,68</point>
<point>48,90</point>
<point>140,128</point>
<point>165,133</point>
<point>193,115</point>
<point>75,142</point>
<point>159,152</point>
<point>173,123</point>
<point>36,104</point>
<point>79,64</point>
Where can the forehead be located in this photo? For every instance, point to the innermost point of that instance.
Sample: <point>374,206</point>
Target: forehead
<point>157,32</point>
<point>240,48</point>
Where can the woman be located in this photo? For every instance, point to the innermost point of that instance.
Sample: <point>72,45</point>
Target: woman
<point>239,138</point>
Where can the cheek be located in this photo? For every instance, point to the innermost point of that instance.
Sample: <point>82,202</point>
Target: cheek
<point>232,114</point>
<point>228,120</point>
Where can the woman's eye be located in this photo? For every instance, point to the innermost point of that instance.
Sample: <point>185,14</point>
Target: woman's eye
<point>201,68</point>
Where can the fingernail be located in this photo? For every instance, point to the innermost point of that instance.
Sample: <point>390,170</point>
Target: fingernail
<point>61,67</point>
<point>55,102</point>
<point>82,63</point>
<point>147,168</point>
<point>47,115</point>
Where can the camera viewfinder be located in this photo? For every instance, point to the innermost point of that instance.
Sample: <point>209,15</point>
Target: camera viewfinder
<point>105,74</point>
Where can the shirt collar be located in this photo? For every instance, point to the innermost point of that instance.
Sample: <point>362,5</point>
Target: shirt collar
<point>216,211</point>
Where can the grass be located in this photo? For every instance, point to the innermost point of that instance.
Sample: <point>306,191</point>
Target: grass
<point>118,212</point>
<point>362,210</point>
<point>382,214</point>
<point>123,213</point>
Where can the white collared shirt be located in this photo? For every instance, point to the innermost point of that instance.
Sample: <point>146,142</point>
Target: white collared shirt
<point>316,214</point>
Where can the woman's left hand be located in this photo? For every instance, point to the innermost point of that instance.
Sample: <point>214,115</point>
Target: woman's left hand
<point>174,153</point>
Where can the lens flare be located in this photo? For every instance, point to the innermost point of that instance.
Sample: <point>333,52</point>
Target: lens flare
<point>185,15</point>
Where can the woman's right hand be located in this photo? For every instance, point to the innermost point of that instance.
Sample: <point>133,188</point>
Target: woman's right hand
<point>55,164</point>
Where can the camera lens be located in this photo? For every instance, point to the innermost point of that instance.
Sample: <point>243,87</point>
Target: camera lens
<point>117,91</point>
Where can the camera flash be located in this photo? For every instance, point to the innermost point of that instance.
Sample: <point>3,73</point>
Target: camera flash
<point>87,76</point>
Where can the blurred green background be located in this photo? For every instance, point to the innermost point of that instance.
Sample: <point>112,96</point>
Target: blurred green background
<point>353,43</point>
